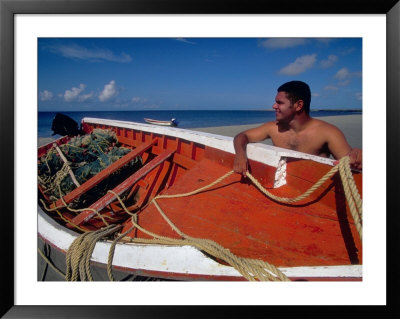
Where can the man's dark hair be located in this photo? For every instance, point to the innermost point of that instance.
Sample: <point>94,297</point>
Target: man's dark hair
<point>297,90</point>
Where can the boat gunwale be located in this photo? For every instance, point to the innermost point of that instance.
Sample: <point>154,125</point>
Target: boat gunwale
<point>259,152</point>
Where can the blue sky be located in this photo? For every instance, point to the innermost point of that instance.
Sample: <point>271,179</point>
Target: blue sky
<point>117,74</point>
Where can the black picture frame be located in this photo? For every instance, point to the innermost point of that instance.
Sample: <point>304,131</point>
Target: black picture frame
<point>8,10</point>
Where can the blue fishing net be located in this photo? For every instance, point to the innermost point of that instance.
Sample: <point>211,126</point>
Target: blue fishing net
<point>86,156</point>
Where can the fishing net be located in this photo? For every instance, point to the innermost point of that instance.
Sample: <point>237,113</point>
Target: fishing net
<point>86,156</point>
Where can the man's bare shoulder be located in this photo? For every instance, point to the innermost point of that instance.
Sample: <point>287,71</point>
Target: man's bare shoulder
<point>272,124</point>
<point>322,125</point>
<point>268,127</point>
<point>325,130</point>
<point>263,126</point>
<point>260,132</point>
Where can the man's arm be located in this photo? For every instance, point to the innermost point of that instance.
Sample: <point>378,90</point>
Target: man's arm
<point>339,147</point>
<point>240,143</point>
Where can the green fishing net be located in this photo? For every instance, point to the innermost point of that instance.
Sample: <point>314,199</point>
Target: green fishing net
<point>86,156</point>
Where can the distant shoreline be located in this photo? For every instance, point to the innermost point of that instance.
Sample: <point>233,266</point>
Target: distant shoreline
<point>312,110</point>
<point>202,110</point>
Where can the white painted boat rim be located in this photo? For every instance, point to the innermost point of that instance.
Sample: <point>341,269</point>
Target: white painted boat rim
<point>263,153</point>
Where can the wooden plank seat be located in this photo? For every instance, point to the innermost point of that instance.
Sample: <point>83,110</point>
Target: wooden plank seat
<point>121,188</point>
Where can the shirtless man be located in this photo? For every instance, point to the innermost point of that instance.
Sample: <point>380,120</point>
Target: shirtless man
<point>295,129</point>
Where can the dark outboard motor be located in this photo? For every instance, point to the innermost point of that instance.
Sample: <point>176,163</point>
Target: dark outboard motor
<point>64,125</point>
<point>174,122</point>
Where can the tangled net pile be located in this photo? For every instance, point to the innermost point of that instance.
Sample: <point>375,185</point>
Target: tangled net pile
<point>86,156</point>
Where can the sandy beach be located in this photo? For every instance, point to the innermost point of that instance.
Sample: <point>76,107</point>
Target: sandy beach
<point>350,125</point>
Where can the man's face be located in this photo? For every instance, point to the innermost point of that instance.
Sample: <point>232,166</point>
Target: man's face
<point>284,110</point>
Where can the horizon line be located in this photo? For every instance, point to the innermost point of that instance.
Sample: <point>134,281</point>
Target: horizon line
<point>205,110</point>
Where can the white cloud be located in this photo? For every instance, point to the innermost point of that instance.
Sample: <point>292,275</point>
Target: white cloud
<point>85,97</point>
<point>73,94</point>
<point>108,92</point>
<point>93,55</point>
<point>45,95</point>
<point>315,94</point>
<point>342,74</point>
<point>283,43</point>
<point>359,96</point>
<point>330,61</point>
<point>185,40</point>
<point>347,51</point>
<point>300,65</point>
<point>331,88</point>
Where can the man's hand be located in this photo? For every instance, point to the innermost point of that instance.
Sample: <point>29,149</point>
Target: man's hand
<point>356,158</point>
<point>240,165</point>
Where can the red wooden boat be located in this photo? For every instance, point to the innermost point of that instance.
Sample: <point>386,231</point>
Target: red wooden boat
<point>184,214</point>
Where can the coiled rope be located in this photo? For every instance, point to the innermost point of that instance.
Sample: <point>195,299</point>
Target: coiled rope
<point>80,252</point>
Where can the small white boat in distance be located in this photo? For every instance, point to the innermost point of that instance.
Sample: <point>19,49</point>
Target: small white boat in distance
<point>172,122</point>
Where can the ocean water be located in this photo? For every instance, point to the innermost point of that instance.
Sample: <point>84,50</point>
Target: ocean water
<point>186,119</point>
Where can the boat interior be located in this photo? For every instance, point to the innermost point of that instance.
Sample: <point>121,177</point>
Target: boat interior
<point>316,231</point>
